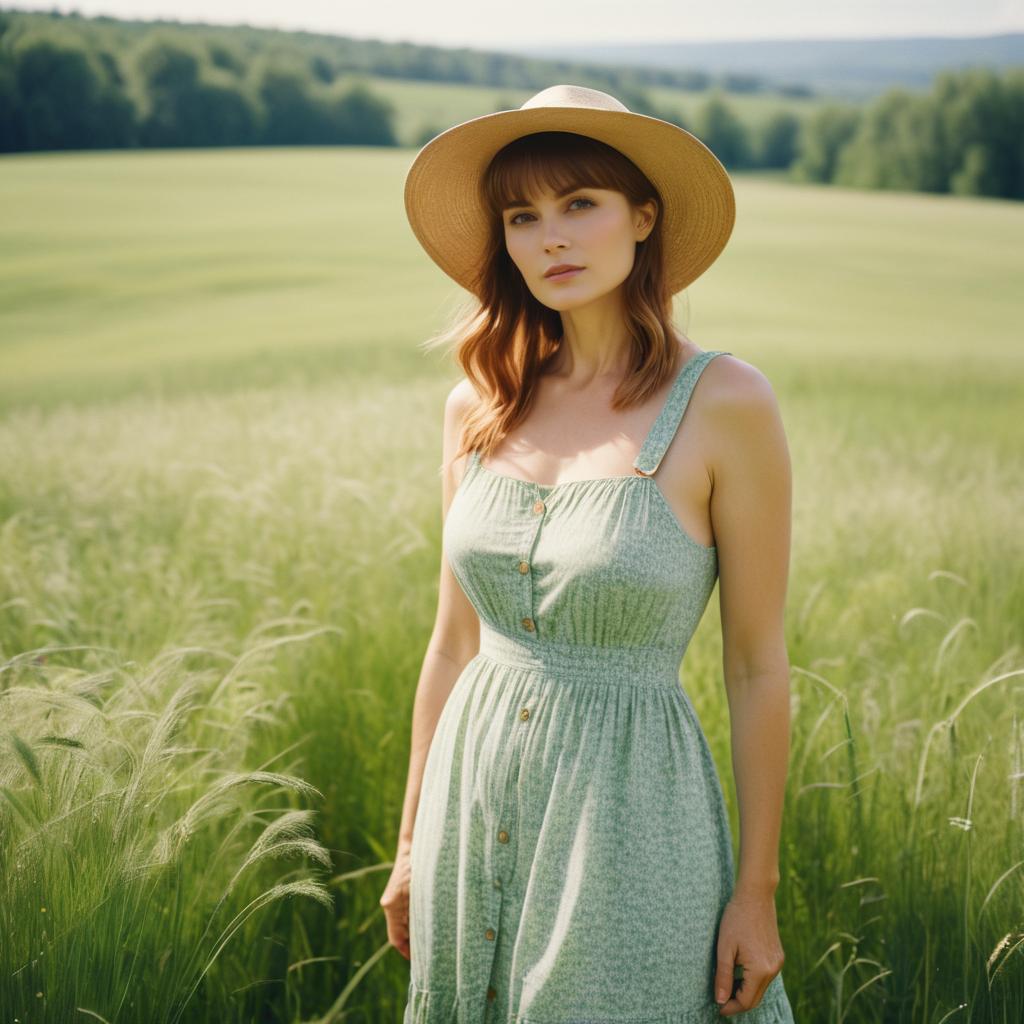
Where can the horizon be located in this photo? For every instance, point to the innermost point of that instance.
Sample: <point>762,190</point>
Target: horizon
<point>906,21</point>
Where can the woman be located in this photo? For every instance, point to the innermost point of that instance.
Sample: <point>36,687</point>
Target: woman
<point>565,854</point>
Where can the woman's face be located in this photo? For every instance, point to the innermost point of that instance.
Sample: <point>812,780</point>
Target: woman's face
<point>593,228</point>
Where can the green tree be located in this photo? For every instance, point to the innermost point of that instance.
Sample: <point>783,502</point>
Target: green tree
<point>778,140</point>
<point>292,114</point>
<point>190,104</point>
<point>1013,82</point>
<point>360,117</point>
<point>228,58</point>
<point>167,63</point>
<point>12,122</point>
<point>718,127</point>
<point>820,141</point>
<point>898,145</point>
<point>225,115</point>
<point>978,173</point>
<point>170,74</point>
<point>982,119</point>
<point>65,98</point>
<point>322,69</point>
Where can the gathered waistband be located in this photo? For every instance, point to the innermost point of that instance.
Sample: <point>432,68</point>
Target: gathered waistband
<point>631,666</point>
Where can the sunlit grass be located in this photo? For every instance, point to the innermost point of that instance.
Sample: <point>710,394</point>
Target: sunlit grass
<point>136,855</point>
<point>218,571</point>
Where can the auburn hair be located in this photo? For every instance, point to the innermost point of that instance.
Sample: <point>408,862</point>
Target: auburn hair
<point>503,337</point>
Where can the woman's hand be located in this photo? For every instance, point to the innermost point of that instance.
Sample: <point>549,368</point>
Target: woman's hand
<point>395,901</point>
<point>747,935</point>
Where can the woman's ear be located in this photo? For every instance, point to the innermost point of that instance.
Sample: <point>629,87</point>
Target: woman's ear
<point>646,216</point>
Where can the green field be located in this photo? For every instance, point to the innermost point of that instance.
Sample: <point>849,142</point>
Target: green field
<point>219,539</point>
<point>420,105</point>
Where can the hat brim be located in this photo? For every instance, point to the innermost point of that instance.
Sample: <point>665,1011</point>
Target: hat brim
<point>445,211</point>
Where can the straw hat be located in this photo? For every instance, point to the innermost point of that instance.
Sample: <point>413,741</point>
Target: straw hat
<point>446,211</point>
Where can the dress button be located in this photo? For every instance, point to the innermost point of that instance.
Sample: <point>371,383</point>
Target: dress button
<point>497,883</point>
<point>502,836</point>
<point>524,714</point>
<point>538,506</point>
<point>489,933</point>
<point>528,624</point>
<point>524,567</point>
<point>491,993</point>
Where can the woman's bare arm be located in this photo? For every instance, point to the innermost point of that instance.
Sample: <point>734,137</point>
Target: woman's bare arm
<point>456,635</point>
<point>751,509</point>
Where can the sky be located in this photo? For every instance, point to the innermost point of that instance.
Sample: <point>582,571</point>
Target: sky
<point>541,22</point>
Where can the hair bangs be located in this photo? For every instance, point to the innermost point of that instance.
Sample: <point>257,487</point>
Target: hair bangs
<point>558,162</point>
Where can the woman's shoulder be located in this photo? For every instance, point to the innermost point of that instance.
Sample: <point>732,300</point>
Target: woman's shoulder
<point>461,398</point>
<point>739,406</point>
<point>729,382</point>
<point>461,401</point>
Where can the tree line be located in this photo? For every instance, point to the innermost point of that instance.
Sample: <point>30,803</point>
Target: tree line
<point>58,92</point>
<point>168,86</point>
<point>965,136</point>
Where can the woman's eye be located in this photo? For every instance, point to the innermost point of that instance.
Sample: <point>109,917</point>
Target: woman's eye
<point>579,199</point>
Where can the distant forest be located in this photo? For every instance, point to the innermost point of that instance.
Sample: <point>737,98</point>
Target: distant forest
<point>68,82</point>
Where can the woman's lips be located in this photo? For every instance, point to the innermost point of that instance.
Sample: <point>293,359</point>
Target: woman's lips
<point>565,275</point>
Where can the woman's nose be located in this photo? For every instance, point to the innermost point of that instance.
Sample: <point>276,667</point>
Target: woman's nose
<point>553,238</point>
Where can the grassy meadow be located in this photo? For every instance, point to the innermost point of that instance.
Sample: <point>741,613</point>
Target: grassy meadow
<point>219,545</point>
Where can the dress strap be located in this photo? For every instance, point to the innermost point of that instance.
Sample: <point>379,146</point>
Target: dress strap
<point>665,426</point>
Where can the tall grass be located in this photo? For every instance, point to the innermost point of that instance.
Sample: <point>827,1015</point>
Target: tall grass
<point>226,598</point>
<point>136,855</point>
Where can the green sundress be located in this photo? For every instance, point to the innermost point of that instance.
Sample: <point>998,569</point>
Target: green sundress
<point>571,854</point>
